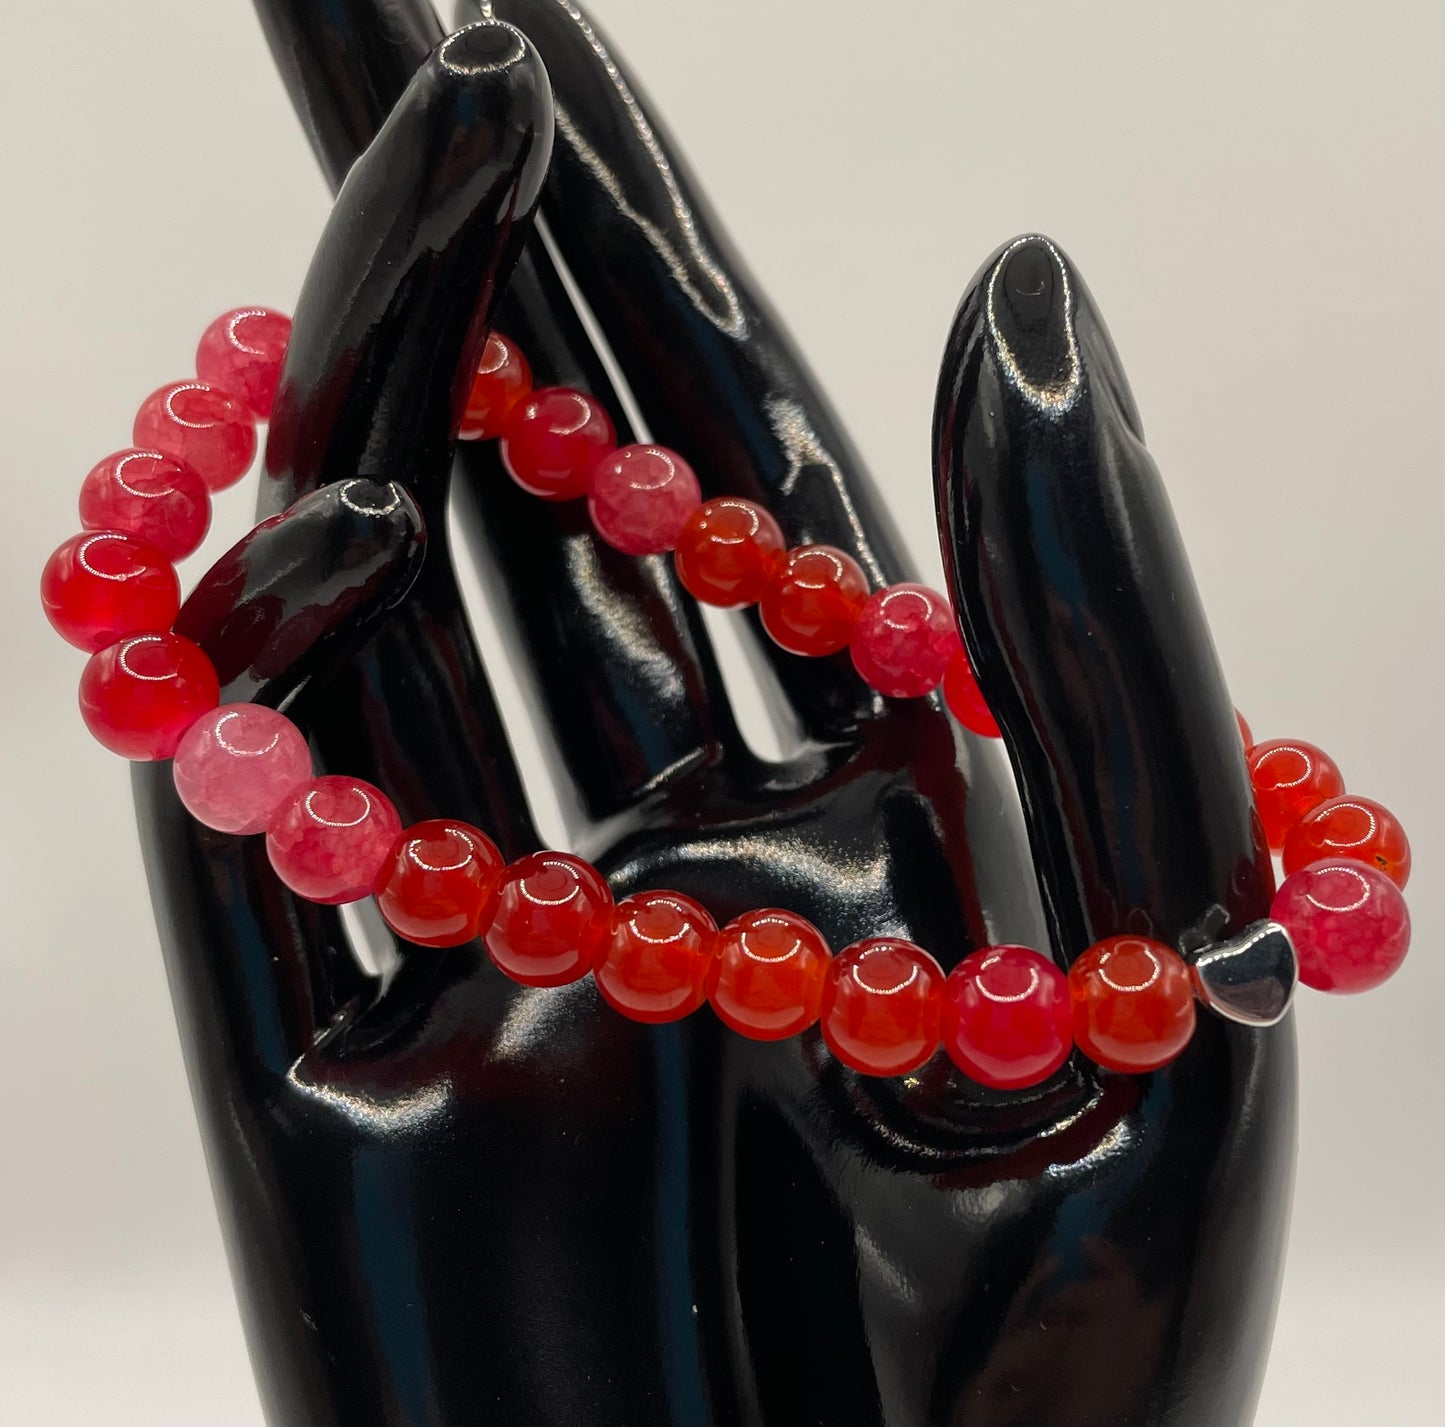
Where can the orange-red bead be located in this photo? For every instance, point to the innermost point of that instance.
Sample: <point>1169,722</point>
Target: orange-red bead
<point>1133,1003</point>
<point>436,886</point>
<point>1006,1017</point>
<point>1244,731</point>
<point>1290,778</point>
<point>964,697</point>
<point>881,1002</point>
<point>813,599</point>
<point>139,697</point>
<point>552,439</point>
<point>1358,828</point>
<point>767,974</point>
<point>549,915</point>
<point>502,379</point>
<point>653,958</point>
<point>101,586</point>
<point>727,551</point>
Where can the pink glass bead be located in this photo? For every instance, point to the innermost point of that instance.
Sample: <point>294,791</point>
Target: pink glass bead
<point>207,428</point>
<point>1348,922</point>
<point>331,838</point>
<point>640,497</point>
<point>236,765</point>
<point>903,641</point>
<point>149,495</point>
<point>101,586</point>
<point>242,351</point>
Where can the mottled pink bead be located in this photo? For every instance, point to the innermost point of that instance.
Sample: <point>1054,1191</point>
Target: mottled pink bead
<point>1348,922</point>
<point>207,428</point>
<point>903,641</point>
<point>150,495</point>
<point>242,351</point>
<point>330,839</point>
<point>640,497</point>
<point>236,765</point>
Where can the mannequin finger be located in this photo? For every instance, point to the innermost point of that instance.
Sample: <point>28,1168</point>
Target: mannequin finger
<point>344,64</point>
<point>713,372</point>
<point>265,972</point>
<point>1083,621</point>
<point>388,326</point>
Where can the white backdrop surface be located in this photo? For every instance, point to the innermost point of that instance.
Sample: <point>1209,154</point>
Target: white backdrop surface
<point>1254,194</point>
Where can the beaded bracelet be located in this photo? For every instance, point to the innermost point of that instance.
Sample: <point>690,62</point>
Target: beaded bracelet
<point>1007,1016</point>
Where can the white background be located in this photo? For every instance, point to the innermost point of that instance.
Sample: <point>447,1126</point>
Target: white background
<point>1254,194</point>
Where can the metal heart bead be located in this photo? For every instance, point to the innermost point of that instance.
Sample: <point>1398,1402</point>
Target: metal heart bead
<point>1249,978</point>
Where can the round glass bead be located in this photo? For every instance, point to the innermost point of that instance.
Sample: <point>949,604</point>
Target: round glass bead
<point>904,640</point>
<point>1357,828</point>
<point>139,696</point>
<point>438,881</point>
<point>881,1004</point>
<point>236,765</point>
<point>1244,732</point>
<point>1348,922</point>
<point>502,379</point>
<point>767,974</point>
<point>149,495</point>
<point>102,585</point>
<point>331,837</point>
<point>640,497</point>
<point>207,428</point>
<point>1290,779</point>
<point>1006,1017</point>
<point>812,600</point>
<point>653,958</point>
<point>552,439</point>
<point>726,551</point>
<point>549,915</point>
<point>964,697</point>
<point>1133,1003</point>
<point>241,352</point>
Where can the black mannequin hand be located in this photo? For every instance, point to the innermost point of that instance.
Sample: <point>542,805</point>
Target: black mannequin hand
<point>449,1199</point>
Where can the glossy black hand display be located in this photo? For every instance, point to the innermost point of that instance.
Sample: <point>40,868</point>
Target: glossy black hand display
<point>450,1200</point>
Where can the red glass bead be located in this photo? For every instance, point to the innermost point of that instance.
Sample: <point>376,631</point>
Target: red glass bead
<point>502,379</point>
<point>654,956</point>
<point>550,915</point>
<point>241,352</point>
<point>767,974</point>
<point>964,697</point>
<point>1006,1017</point>
<point>1290,779</point>
<point>1244,731</point>
<point>207,428</point>
<point>812,600</point>
<point>881,1003</point>
<point>1357,828</point>
<point>437,883</point>
<point>727,551</point>
<point>1133,1003</point>
<point>139,696</point>
<point>640,498</point>
<point>101,586</point>
<point>149,495</point>
<point>904,640</point>
<point>330,839</point>
<point>237,764</point>
<point>552,439</point>
<point>1348,922</point>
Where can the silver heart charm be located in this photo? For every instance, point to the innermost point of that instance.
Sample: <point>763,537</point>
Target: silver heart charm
<point>1249,978</point>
